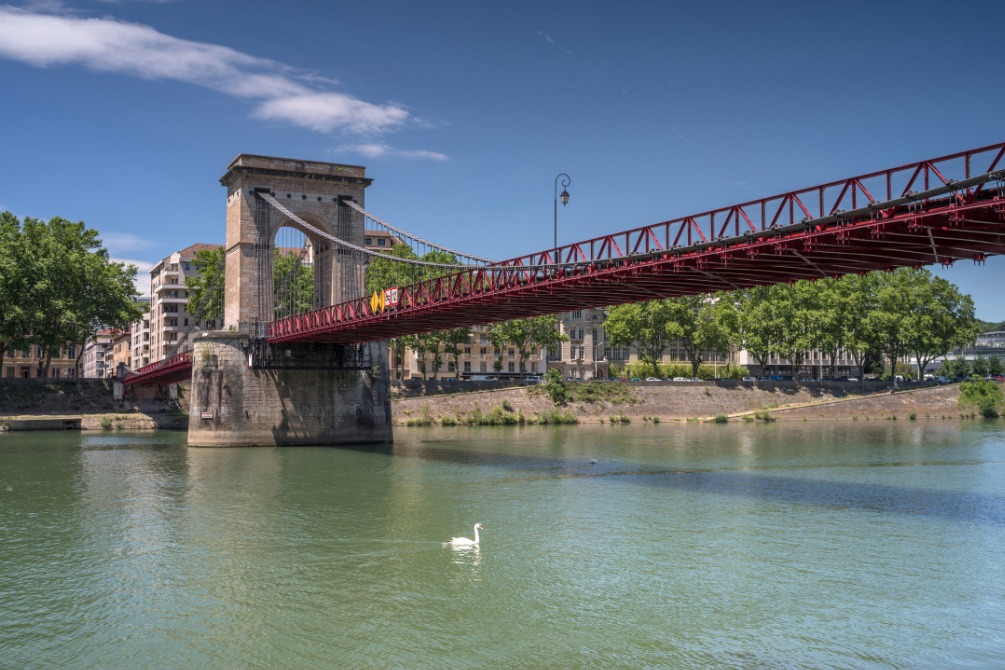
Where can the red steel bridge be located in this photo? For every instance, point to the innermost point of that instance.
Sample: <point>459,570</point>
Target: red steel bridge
<point>935,211</point>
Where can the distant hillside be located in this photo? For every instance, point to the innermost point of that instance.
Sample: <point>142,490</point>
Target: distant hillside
<point>988,326</point>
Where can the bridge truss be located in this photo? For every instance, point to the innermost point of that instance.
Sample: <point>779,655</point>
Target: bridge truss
<point>929,212</point>
<point>936,211</point>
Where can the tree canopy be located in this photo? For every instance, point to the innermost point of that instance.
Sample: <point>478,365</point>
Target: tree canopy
<point>58,285</point>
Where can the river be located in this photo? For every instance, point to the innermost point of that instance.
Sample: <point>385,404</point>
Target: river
<point>812,545</point>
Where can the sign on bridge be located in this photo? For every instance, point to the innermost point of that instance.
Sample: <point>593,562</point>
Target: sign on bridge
<point>381,300</point>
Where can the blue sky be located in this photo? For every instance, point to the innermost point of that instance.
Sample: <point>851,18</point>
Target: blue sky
<point>125,114</point>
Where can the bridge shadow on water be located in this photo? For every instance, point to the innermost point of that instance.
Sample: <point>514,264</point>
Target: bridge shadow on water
<point>837,495</point>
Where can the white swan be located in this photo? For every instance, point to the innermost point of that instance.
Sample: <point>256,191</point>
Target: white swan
<point>465,542</point>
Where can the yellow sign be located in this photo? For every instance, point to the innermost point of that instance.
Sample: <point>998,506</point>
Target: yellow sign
<point>377,302</point>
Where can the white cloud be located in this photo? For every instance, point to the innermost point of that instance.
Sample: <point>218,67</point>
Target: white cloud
<point>120,243</point>
<point>379,150</point>
<point>325,112</point>
<point>49,39</point>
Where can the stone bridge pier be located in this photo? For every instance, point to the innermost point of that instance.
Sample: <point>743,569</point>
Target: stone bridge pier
<point>247,392</point>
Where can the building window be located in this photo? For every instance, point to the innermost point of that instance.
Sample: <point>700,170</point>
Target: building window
<point>381,242</point>
<point>484,351</point>
<point>512,367</point>
<point>369,241</point>
<point>467,366</point>
<point>577,314</point>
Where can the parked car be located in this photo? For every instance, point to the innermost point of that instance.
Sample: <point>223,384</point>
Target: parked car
<point>749,380</point>
<point>681,379</point>
<point>652,379</point>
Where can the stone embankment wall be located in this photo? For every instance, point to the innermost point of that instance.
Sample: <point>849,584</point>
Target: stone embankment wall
<point>86,404</point>
<point>681,401</point>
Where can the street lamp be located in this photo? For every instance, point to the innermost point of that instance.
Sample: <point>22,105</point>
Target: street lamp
<point>564,196</point>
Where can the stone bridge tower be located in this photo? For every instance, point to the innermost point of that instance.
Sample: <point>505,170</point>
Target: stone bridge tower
<point>247,392</point>
<point>311,190</point>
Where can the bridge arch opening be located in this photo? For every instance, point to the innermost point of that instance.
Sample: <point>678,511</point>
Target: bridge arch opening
<point>294,280</point>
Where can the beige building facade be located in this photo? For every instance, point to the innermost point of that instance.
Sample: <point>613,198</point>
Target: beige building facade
<point>169,323</point>
<point>29,363</point>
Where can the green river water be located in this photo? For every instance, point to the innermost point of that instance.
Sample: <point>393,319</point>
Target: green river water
<point>813,545</point>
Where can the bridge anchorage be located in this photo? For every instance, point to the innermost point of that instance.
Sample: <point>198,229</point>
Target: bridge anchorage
<point>248,391</point>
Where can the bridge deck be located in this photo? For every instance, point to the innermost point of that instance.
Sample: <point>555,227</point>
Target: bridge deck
<point>912,215</point>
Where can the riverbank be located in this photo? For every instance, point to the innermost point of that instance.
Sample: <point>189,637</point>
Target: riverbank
<point>90,404</point>
<point>670,402</point>
<point>84,404</point>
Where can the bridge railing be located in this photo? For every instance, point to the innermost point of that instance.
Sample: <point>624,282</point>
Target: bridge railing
<point>161,367</point>
<point>785,209</point>
<point>938,182</point>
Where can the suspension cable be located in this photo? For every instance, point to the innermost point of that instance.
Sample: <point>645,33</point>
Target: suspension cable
<point>355,247</point>
<point>402,233</point>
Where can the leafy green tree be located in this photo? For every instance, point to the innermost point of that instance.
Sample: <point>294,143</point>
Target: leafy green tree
<point>701,324</point>
<point>755,319</point>
<point>293,284</point>
<point>12,289</point>
<point>399,346</point>
<point>72,287</point>
<point>643,325</point>
<point>206,285</point>
<point>856,302</point>
<point>429,343</point>
<point>384,273</point>
<point>981,366</point>
<point>528,334</point>
<point>957,367</point>
<point>941,318</point>
<point>453,339</point>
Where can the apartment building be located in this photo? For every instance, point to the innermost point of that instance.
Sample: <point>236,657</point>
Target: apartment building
<point>93,362</point>
<point>118,352</point>
<point>584,355</point>
<point>30,363</point>
<point>139,349</point>
<point>169,324</point>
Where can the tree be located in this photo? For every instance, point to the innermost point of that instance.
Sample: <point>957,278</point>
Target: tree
<point>957,367</point>
<point>755,320</point>
<point>72,289</point>
<point>643,325</point>
<point>942,318</point>
<point>453,339</point>
<point>206,285</point>
<point>701,324</point>
<point>398,346</point>
<point>527,334</point>
<point>12,290</point>
<point>382,273</point>
<point>856,302</point>
<point>426,343</point>
<point>293,284</point>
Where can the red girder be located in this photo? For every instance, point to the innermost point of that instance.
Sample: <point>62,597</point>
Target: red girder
<point>171,370</point>
<point>754,243</point>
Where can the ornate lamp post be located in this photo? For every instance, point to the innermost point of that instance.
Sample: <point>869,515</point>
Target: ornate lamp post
<point>564,196</point>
